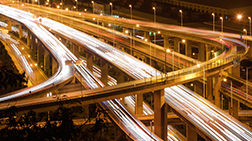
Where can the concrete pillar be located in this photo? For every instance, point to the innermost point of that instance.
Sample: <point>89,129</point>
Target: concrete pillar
<point>166,42</point>
<point>160,115</point>
<point>120,76</point>
<point>209,89</point>
<point>20,31</point>
<point>188,48</point>
<point>28,39</point>
<point>207,52</point>
<point>89,58</point>
<point>54,66</point>
<point>201,56</point>
<point>176,42</point>
<point>147,36</point>
<point>139,104</point>
<point>233,111</point>
<point>46,60</point>
<point>191,135</point>
<point>39,53</point>
<point>63,41</point>
<point>32,42</point>
<point>236,71</point>
<point>76,50</point>
<point>217,89</point>
<point>104,72</point>
<point>9,25</point>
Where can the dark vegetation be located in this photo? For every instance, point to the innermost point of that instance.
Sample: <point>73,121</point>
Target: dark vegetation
<point>10,78</point>
<point>58,127</point>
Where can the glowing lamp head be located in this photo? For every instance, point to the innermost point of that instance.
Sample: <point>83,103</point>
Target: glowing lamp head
<point>145,40</point>
<point>137,25</point>
<point>213,14</point>
<point>168,50</point>
<point>249,18</point>
<point>126,31</point>
<point>110,3</point>
<point>130,5</point>
<point>239,16</point>
<point>221,18</point>
<point>183,41</point>
<point>180,11</point>
<point>153,8</point>
<point>225,79</point>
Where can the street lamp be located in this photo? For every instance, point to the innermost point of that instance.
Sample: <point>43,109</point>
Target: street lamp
<point>154,8</point>
<point>111,8</point>
<point>179,43</point>
<point>245,30</point>
<point>247,68</point>
<point>239,16</point>
<point>126,31</point>
<point>249,25</point>
<point>168,50</point>
<point>181,12</point>
<point>61,4</point>
<point>221,18</point>
<point>130,6</point>
<point>225,80</point>
<point>93,5</point>
<point>76,5</point>
<point>213,21</point>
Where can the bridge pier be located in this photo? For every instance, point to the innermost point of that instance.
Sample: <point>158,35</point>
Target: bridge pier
<point>209,91</point>
<point>76,51</point>
<point>201,56</point>
<point>160,116</point>
<point>139,104</point>
<point>191,135</point>
<point>9,25</point>
<point>217,89</point>
<point>28,39</point>
<point>166,41</point>
<point>46,60</point>
<point>89,58</point>
<point>20,31</point>
<point>234,108</point>
<point>104,72</point>
<point>147,36</point>
<point>176,42</point>
<point>54,65</point>
<point>188,48</point>
<point>39,53</point>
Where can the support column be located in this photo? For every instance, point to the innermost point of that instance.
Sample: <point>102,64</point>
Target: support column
<point>217,89</point>
<point>201,56</point>
<point>39,53</point>
<point>54,66</point>
<point>120,76</point>
<point>191,135</point>
<point>207,52</point>
<point>176,41</point>
<point>46,60</point>
<point>124,29</point>
<point>160,115</point>
<point>236,71</point>
<point>104,72</point>
<point>147,36</point>
<point>9,25</point>
<point>139,104</point>
<point>32,42</point>
<point>20,31</point>
<point>89,58</point>
<point>166,42</point>
<point>233,111</point>
<point>209,92</point>
<point>188,48</point>
<point>76,50</point>
<point>28,39</point>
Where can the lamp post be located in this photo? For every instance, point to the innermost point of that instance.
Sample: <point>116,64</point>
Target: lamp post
<point>61,4</point>
<point>126,31</point>
<point>181,12</point>
<point>179,43</point>
<point>76,5</point>
<point>221,18</point>
<point>213,21</point>
<point>111,8</point>
<point>168,50</point>
<point>58,8</point>
<point>247,68</point>
<point>249,26</point>
<point>93,5</point>
<point>130,6</point>
<point>245,31</point>
<point>225,80</point>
